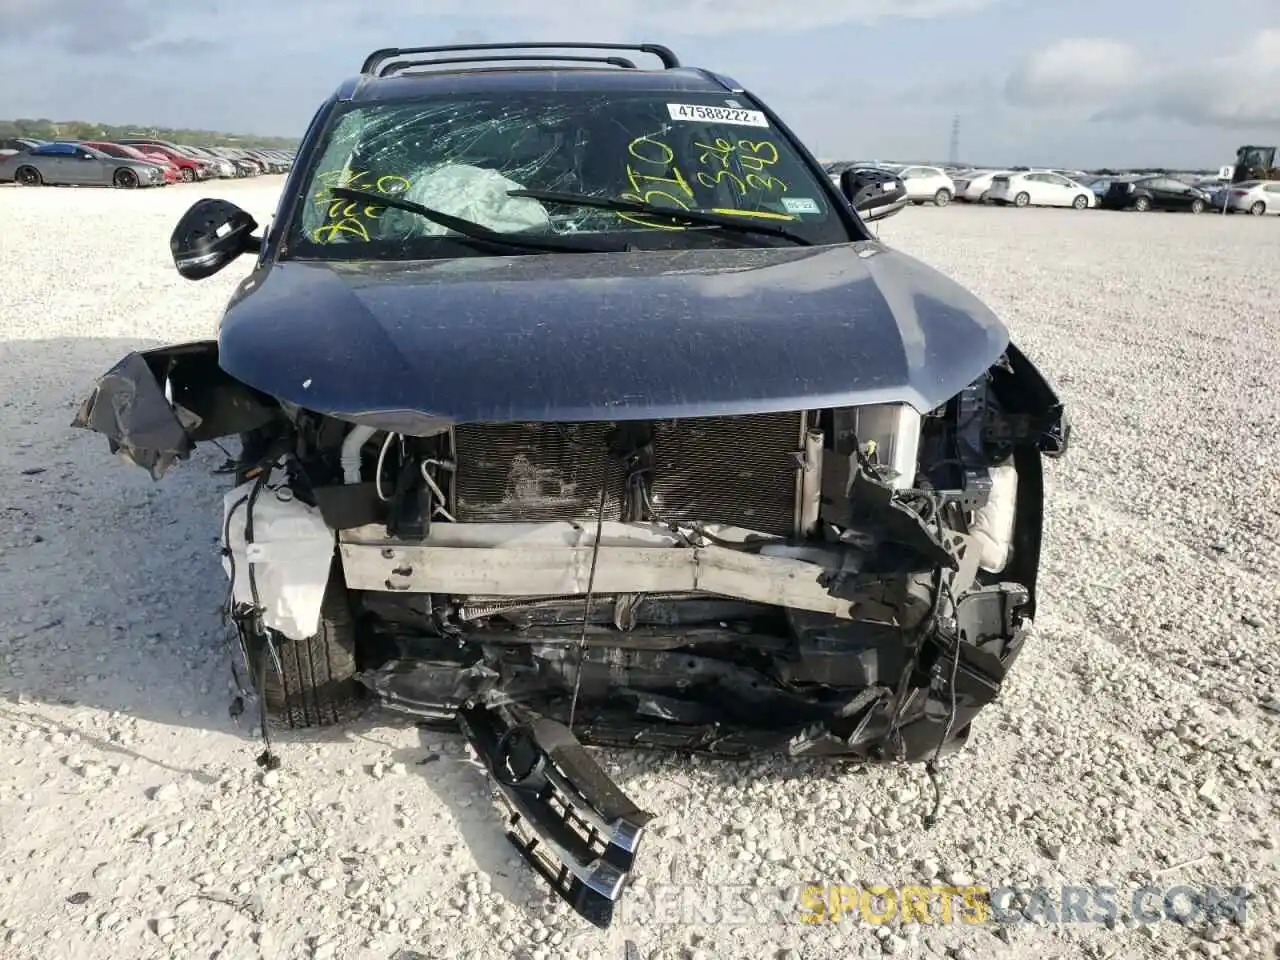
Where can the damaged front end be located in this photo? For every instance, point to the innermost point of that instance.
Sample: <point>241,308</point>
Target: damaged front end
<point>838,582</point>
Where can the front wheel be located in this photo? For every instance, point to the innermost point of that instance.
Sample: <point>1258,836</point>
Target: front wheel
<point>1021,200</point>
<point>188,175</point>
<point>1081,202</point>
<point>1258,209</point>
<point>314,685</point>
<point>28,177</point>
<point>125,179</point>
<point>1142,204</point>
<point>1197,205</point>
<point>942,197</point>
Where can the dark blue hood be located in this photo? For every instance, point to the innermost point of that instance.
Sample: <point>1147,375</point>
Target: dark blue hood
<point>613,336</point>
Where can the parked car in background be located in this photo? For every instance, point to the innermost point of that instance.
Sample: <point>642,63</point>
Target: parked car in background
<point>222,167</point>
<point>190,168</point>
<point>63,163</point>
<point>834,168</point>
<point>11,145</point>
<point>246,166</point>
<point>974,186</point>
<point>122,152</point>
<point>276,162</point>
<point>1099,186</point>
<point>926,184</point>
<point>1257,197</point>
<point>1040,188</point>
<point>1156,193</point>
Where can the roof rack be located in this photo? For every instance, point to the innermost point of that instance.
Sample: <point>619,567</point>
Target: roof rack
<point>399,66</point>
<point>376,59</point>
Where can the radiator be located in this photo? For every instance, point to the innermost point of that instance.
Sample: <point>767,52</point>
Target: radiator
<point>734,470</point>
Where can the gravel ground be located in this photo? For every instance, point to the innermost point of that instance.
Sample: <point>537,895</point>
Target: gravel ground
<point>1135,744</point>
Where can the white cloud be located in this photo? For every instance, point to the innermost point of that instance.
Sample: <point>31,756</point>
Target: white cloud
<point>642,19</point>
<point>1111,80</point>
<point>79,24</point>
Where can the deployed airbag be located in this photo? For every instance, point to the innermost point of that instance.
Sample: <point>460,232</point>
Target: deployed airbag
<point>472,193</point>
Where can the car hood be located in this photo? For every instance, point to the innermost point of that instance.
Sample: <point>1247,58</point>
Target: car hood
<point>612,336</point>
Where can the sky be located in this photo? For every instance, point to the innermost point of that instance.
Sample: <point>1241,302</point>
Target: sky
<point>1085,83</point>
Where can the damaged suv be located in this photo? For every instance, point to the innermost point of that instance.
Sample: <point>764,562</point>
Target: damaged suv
<point>577,405</point>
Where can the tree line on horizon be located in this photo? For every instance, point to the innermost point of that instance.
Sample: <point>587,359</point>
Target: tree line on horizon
<point>43,129</point>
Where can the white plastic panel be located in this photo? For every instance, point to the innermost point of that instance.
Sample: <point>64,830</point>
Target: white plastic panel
<point>291,553</point>
<point>895,430</point>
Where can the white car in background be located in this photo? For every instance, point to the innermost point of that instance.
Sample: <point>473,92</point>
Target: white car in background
<point>1040,188</point>
<point>1257,197</point>
<point>926,184</point>
<point>973,186</point>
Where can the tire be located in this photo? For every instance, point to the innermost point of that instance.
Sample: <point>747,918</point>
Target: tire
<point>188,175</point>
<point>28,177</point>
<point>1197,205</point>
<point>125,179</point>
<point>1081,202</point>
<point>316,685</point>
<point>942,197</point>
<point>1021,200</point>
<point>1258,209</point>
<point>1142,204</point>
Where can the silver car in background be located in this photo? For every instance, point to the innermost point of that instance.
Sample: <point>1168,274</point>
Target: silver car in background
<point>73,164</point>
<point>1253,196</point>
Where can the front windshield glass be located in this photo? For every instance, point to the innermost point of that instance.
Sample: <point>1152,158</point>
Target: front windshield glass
<point>462,155</point>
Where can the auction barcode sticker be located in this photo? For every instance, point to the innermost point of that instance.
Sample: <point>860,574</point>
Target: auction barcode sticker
<point>694,111</point>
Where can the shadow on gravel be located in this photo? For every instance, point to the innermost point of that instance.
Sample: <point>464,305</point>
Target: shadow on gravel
<point>109,583</point>
<point>463,787</point>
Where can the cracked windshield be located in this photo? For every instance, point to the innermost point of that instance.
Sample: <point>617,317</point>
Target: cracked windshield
<point>466,157</point>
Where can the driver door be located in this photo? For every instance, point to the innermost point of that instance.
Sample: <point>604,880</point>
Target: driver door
<point>81,167</point>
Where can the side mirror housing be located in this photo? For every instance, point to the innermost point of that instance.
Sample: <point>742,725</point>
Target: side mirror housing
<point>209,236</point>
<point>875,194</point>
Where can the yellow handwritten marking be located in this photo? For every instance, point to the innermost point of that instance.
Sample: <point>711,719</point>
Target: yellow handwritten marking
<point>667,153</point>
<point>345,215</point>
<point>392,183</point>
<point>755,161</point>
<point>639,218</point>
<point>720,150</point>
<point>679,180</point>
<point>329,232</point>
<point>707,181</point>
<point>760,214</point>
<point>768,184</point>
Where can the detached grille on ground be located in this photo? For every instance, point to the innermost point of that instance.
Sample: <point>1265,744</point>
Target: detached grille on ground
<point>733,470</point>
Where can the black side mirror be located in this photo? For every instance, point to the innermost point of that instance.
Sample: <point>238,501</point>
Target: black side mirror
<point>875,194</point>
<point>209,236</point>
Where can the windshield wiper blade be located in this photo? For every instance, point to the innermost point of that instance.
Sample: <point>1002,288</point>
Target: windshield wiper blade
<point>464,228</point>
<point>724,221</point>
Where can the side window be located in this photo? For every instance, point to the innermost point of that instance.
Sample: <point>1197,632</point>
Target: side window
<point>1272,188</point>
<point>910,173</point>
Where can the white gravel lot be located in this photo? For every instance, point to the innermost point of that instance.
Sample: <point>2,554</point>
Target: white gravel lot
<point>1138,741</point>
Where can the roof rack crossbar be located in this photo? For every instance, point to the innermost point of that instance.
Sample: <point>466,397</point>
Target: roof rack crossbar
<point>397,66</point>
<point>376,59</point>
